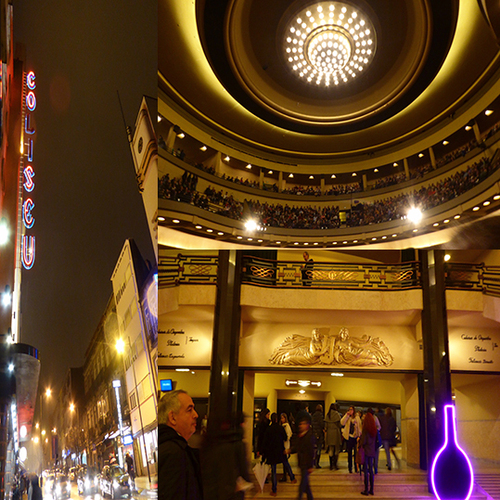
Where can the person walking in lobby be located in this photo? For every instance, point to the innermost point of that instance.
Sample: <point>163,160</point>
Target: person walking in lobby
<point>333,439</point>
<point>351,431</point>
<point>273,451</point>
<point>367,448</point>
<point>388,434</point>
<point>286,465</point>
<point>303,445</point>
<point>318,428</point>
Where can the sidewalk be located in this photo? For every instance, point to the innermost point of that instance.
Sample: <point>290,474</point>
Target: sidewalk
<point>144,489</point>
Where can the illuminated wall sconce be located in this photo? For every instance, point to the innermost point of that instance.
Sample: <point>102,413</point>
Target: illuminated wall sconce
<point>302,383</point>
<point>452,476</point>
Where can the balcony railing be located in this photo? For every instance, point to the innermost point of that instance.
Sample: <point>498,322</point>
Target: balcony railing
<point>202,270</point>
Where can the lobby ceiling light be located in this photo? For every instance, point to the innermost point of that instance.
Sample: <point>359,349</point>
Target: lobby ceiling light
<point>456,217</point>
<point>445,143</point>
<point>329,43</point>
<point>486,203</point>
<point>162,219</point>
<point>291,176</point>
<point>488,112</point>
<point>496,197</point>
<point>475,209</point>
<point>249,166</point>
<point>334,176</point>
<point>203,148</point>
<point>395,164</point>
<point>227,158</point>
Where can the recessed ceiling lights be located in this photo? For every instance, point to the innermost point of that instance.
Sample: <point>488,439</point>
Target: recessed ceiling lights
<point>203,148</point>
<point>220,233</point>
<point>375,170</point>
<point>415,230</point>
<point>468,127</point>
<point>488,112</point>
<point>291,176</point>
<point>278,243</point>
<point>159,118</point>
<point>496,197</point>
<point>315,243</point>
<point>355,241</point>
<point>374,239</point>
<point>354,174</point>
<point>296,243</point>
<point>384,237</point>
<point>344,242</point>
<point>197,227</point>
<point>249,239</point>
<point>181,135</point>
<point>475,209</point>
<point>486,203</point>
<point>436,224</point>
<point>210,230</point>
<point>162,219</point>
<point>306,244</point>
<point>260,241</point>
<point>334,243</point>
<point>445,143</point>
<point>447,257</point>
<point>270,172</point>
<point>239,237</point>
<point>311,177</point>
<point>446,221</point>
<point>249,166</point>
<point>175,221</point>
<point>227,158</point>
<point>394,235</point>
<point>457,216</point>
<point>395,164</point>
<point>421,155</point>
<point>333,176</point>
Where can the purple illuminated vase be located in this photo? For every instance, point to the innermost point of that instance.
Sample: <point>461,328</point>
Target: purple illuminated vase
<point>451,475</point>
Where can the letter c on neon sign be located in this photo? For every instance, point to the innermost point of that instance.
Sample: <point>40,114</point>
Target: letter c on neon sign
<point>30,80</point>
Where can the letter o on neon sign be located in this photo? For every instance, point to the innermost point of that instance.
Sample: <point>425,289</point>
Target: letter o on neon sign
<point>31,101</point>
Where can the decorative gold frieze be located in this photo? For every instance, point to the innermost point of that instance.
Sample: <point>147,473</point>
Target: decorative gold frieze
<point>324,349</point>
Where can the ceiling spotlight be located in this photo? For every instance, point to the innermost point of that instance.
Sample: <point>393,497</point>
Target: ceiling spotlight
<point>161,218</point>
<point>475,209</point>
<point>239,237</point>
<point>311,177</point>
<point>354,174</point>
<point>486,203</point>
<point>334,176</point>
<point>496,197</point>
<point>270,172</point>
<point>198,227</point>
<point>456,217</point>
<point>181,135</point>
<point>203,148</point>
<point>227,158</point>
<point>421,155</point>
<point>210,230</point>
<point>375,170</point>
<point>291,176</point>
<point>395,164</point>
<point>488,112</point>
<point>220,233</point>
<point>447,257</point>
<point>446,221</point>
<point>249,166</point>
<point>436,224</point>
<point>175,221</point>
<point>468,127</point>
<point>445,143</point>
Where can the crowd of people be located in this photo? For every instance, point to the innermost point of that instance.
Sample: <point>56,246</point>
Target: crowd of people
<point>327,217</point>
<point>415,172</point>
<point>215,466</point>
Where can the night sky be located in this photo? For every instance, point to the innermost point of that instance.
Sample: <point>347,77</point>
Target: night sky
<point>86,198</point>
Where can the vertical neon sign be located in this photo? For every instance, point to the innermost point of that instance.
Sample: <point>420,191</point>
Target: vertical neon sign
<point>28,240</point>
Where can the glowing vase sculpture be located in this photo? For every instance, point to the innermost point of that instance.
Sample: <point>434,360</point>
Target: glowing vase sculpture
<point>451,475</point>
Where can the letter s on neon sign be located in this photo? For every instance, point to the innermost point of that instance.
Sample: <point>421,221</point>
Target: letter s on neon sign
<point>29,173</point>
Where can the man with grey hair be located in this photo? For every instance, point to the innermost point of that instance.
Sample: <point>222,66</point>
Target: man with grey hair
<point>179,475</point>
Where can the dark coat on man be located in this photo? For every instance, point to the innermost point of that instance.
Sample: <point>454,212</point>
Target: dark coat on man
<point>388,428</point>
<point>304,447</point>
<point>274,444</point>
<point>179,475</point>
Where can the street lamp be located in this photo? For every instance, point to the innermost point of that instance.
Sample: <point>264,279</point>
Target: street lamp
<point>120,347</point>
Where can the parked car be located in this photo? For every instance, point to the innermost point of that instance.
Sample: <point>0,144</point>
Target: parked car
<point>48,483</point>
<point>87,480</point>
<point>72,473</point>
<point>115,482</point>
<point>62,487</point>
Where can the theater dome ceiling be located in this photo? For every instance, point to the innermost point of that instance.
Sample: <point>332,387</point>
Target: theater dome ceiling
<point>327,82</point>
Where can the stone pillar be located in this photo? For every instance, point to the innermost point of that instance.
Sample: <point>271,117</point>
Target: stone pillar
<point>407,168</point>
<point>436,377</point>
<point>433,158</point>
<point>225,347</point>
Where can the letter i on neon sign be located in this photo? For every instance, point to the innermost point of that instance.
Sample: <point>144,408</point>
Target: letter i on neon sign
<point>452,476</point>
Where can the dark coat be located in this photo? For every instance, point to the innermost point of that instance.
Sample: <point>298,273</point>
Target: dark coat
<point>388,429</point>
<point>304,447</point>
<point>332,424</point>
<point>274,444</point>
<point>318,425</point>
<point>261,430</point>
<point>367,441</point>
<point>179,476</point>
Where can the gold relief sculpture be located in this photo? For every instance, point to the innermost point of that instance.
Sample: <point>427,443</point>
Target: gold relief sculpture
<point>321,349</point>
